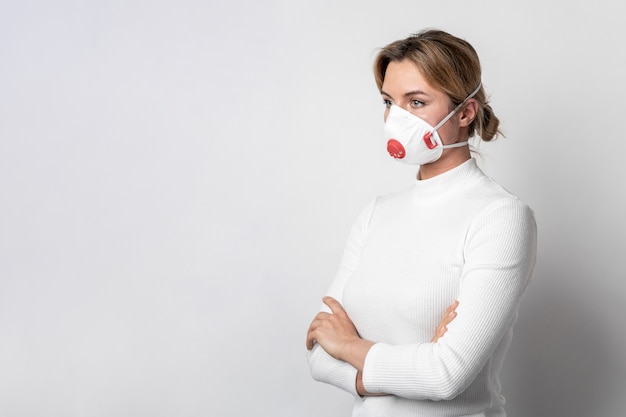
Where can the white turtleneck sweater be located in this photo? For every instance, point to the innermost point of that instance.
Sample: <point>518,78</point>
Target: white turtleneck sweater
<point>457,236</point>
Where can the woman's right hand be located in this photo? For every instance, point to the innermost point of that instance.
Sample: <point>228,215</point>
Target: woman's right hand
<point>442,327</point>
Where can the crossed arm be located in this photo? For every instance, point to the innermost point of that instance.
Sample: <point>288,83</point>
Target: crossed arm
<point>338,336</point>
<point>500,257</point>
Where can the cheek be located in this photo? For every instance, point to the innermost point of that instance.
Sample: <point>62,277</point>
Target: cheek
<point>449,132</point>
<point>427,117</point>
<point>428,114</point>
<point>386,114</point>
<point>435,116</point>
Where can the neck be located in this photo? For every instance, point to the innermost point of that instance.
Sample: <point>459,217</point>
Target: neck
<point>451,158</point>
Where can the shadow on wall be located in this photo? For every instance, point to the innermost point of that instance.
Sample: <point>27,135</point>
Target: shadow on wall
<point>562,362</point>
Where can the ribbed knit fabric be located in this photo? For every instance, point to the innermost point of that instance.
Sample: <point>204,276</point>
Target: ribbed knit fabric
<point>457,236</point>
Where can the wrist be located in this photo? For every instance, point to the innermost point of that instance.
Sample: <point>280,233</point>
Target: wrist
<point>356,351</point>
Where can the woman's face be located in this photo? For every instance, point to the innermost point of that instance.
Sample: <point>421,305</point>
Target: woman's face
<point>405,86</point>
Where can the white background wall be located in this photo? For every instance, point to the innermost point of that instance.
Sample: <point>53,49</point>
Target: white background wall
<point>177,180</point>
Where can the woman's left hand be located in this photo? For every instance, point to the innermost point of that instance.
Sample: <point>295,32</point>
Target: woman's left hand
<point>334,331</point>
<point>448,316</point>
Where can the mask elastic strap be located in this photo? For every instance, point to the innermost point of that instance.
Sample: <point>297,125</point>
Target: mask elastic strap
<point>452,113</point>
<point>455,145</point>
<point>427,137</point>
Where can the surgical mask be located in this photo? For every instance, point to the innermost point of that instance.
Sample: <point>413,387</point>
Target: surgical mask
<point>412,140</point>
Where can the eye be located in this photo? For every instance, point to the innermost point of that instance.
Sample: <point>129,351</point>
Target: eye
<point>388,103</point>
<point>416,103</point>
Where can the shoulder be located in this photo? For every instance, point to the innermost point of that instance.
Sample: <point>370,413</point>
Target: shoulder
<point>492,208</point>
<point>507,211</point>
<point>499,200</point>
<point>506,221</point>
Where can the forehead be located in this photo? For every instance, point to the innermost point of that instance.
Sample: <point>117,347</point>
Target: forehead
<point>405,75</point>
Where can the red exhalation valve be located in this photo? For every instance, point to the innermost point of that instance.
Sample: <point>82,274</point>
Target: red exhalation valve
<point>396,149</point>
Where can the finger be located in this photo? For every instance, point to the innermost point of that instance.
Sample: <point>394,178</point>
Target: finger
<point>448,319</point>
<point>310,340</point>
<point>439,332</point>
<point>311,334</point>
<point>450,313</point>
<point>318,320</point>
<point>310,343</point>
<point>322,315</point>
<point>452,307</point>
<point>334,305</point>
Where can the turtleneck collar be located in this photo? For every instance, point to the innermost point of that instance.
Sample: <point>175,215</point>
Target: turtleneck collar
<point>456,178</point>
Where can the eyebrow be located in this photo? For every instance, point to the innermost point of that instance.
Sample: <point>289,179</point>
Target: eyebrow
<point>408,93</point>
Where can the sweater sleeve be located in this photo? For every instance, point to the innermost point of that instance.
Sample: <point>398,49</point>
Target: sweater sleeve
<point>500,252</point>
<point>323,367</point>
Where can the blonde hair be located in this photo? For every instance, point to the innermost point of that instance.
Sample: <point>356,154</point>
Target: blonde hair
<point>449,64</point>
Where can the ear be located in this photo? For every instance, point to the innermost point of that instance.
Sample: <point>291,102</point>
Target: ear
<point>468,113</point>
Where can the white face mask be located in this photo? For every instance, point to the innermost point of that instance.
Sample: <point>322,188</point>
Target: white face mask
<point>412,140</point>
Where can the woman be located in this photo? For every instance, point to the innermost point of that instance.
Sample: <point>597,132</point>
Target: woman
<point>420,314</point>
